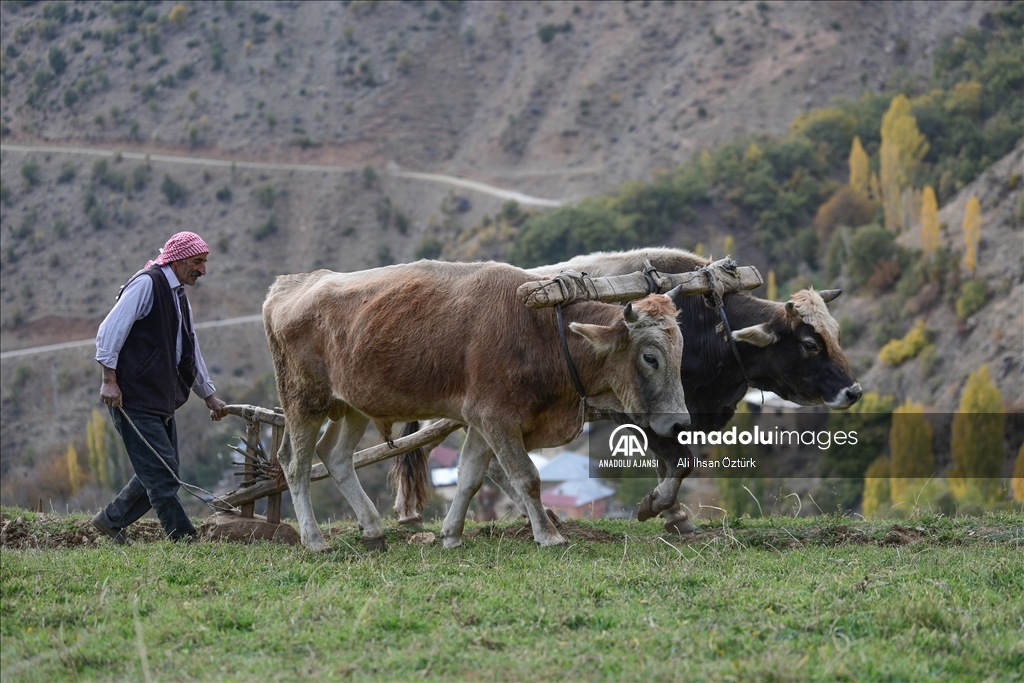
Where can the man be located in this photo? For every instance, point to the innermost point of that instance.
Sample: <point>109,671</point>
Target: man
<point>150,358</point>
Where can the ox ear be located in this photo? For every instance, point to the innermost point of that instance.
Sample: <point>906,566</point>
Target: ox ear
<point>791,310</point>
<point>603,339</point>
<point>758,335</point>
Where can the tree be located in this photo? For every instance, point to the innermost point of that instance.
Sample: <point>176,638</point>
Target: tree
<point>177,16</point>
<point>977,440</point>
<point>74,471</point>
<point>929,221</point>
<point>845,207</point>
<point>96,442</point>
<point>1017,483</point>
<point>773,288</point>
<point>972,233</point>
<point>876,486</point>
<point>740,495</point>
<point>859,169</point>
<point>903,147</point>
<point>912,460</point>
<point>729,245</point>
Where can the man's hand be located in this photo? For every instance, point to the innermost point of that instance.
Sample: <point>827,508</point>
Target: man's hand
<point>110,393</point>
<point>216,407</point>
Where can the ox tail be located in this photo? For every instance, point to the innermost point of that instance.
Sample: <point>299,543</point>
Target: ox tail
<point>408,477</point>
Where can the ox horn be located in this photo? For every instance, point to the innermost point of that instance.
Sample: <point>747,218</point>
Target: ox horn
<point>674,292</point>
<point>829,294</point>
<point>629,314</point>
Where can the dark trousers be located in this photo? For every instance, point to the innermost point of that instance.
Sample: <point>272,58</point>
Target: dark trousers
<point>152,486</point>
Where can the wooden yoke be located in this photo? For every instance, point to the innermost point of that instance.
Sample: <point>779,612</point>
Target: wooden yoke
<point>571,286</point>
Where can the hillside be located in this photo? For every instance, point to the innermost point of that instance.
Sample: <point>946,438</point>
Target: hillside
<point>559,100</point>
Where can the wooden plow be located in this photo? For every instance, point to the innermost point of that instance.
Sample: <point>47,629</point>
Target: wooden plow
<point>261,473</point>
<point>262,476</point>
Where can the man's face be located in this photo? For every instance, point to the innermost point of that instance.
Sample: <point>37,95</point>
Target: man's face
<point>190,269</point>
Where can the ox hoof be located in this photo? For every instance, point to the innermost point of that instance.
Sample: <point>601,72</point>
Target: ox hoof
<point>553,541</point>
<point>644,511</point>
<point>554,518</point>
<point>451,542</point>
<point>374,543</point>
<point>320,546</point>
<point>681,527</point>
<point>413,522</point>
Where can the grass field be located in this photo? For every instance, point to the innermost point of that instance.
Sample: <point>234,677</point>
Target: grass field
<point>826,598</point>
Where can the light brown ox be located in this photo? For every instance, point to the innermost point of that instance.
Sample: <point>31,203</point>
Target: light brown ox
<point>451,340</point>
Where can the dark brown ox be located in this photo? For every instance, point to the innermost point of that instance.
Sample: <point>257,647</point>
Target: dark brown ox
<point>451,340</point>
<point>791,349</point>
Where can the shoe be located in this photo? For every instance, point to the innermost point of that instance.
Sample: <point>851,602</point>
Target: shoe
<point>118,536</point>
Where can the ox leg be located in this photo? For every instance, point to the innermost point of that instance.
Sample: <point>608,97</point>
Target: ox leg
<point>501,480</point>
<point>335,450</point>
<point>472,466</point>
<point>677,521</point>
<point>296,457</point>
<point>670,476</point>
<point>512,456</point>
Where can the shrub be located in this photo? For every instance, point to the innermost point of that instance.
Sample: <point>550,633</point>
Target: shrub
<point>384,256</point>
<point>568,231</point>
<point>58,60</point>
<point>264,195</point>
<point>224,194</point>
<point>898,351</point>
<point>173,190</point>
<point>429,247</point>
<point>97,217</point>
<point>177,16</point>
<point>972,298</point>
<point>185,72</point>
<point>547,32</point>
<point>369,176</point>
<point>140,175</point>
<point>30,173</point>
<point>70,98</point>
<point>265,230</point>
<point>869,245</point>
<point>67,173</point>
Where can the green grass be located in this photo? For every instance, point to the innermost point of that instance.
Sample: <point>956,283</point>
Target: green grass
<point>825,598</point>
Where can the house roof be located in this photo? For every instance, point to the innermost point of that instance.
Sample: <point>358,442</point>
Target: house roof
<point>576,492</point>
<point>442,456</point>
<point>565,466</point>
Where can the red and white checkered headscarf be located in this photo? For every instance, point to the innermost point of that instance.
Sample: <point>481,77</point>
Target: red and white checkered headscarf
<point>183,244</point>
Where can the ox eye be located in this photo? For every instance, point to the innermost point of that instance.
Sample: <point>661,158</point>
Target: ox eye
<point>809,345</point>
<point>651,360</point>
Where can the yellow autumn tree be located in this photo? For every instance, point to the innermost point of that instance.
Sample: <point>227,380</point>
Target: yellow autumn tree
<point>729,245</point>
<point>929,221</point>
<point>177,15</point>
<point>910,449</point>
<point>859,169</point>
<point>977,439</point>
<point>876,486</point>
<point>773,287</point>
<point>96,442</point>
<point>1017,480</point>
<point>903,147</point>
<point>972,233</point>
<point>74,470</point>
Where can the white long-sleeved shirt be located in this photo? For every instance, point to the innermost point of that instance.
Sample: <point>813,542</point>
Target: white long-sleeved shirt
<point>135,303</point>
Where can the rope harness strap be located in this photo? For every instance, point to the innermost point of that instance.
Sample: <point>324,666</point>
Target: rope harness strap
<point>187,487</point>
<point>713,300</point>
<point>568,358</point>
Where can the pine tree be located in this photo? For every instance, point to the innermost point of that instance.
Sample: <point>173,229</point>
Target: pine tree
<point>929,221</point>
<point>972,233</point>
<point>876,486</point>
<point>74,470</point>
<point>977,440</point>
<point>910,448</point>
<point>903,147</point>
<point>96,441</point>
<point>859,169</point>
<point>773,288</point>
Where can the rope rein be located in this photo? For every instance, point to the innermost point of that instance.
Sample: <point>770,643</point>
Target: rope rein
<point>187,487</point>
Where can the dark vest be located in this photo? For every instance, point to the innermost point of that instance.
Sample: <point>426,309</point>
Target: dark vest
<point>149,380</point>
